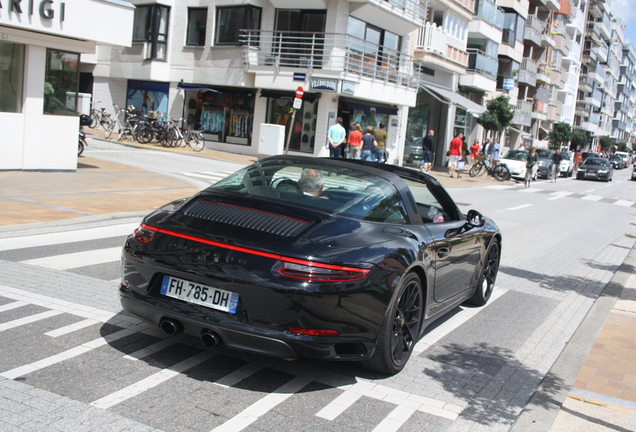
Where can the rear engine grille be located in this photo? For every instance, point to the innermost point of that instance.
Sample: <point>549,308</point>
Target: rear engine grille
<point>271,223</point>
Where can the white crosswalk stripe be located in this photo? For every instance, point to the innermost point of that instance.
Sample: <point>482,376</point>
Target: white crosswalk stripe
<point>77,259</point>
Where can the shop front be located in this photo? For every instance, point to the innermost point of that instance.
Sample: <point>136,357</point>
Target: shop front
<point>303,130</point>
<point>222,114</point>
<point>40,49</point>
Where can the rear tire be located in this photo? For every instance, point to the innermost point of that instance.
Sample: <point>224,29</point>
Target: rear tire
<point>501,173</point>
<point>401,328</point>
<point>477,169</point>
<point>486,282</point>
<point>80,148</point>
<point>144,135</point>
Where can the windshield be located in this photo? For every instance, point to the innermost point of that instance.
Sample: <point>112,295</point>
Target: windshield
<point>544,154</point>
<point>336,190</point>
<point>596,161</point>
<point>518,155</point>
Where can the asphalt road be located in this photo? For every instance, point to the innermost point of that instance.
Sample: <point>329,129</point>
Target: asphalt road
<point>74,351</point>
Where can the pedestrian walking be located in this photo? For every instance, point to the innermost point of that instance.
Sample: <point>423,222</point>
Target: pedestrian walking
<point>474,149</point>
<point>578,158</point>
<point>380,139</point>
<point>454,153</point>
<point>428,144</point>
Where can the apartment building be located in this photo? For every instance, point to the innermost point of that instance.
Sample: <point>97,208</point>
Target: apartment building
<point>227,67</point>
<point>40,48</point>
<point>599,73</point>
<point>625,101</point>
<point>572,60</point>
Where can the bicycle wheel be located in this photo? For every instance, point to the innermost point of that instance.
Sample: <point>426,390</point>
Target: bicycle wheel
<point>94,119</point>
<point>165,139</point>
<point>478,169</point>
<point>109,130</point>
<point>144,135</point>
<point>197,143</point>
<point>106,121</point>
<point>528,177</point>
<point>501,173</point>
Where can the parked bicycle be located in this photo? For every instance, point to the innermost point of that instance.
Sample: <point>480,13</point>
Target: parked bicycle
<point>152,128</point>
<point>182,137</point>
<point>131,123</point>
<point>499,171</point>
<point>116,124</point>
<point>100,117</point>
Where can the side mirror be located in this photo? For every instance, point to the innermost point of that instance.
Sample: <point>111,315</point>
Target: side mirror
<point>474,219</point>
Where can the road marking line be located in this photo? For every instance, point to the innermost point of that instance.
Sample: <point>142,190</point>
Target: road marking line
<point>77,259</point>
<point>239,375</point>
<point>12,305</point>
<point>395,419</point>
<point>66,237</point>
<point>453,323</point>
<point>71,328</point>
<point>558,195</point>
<point>592,198</point>
<point>338,405</point>
<point>520,207</point>
<point>28,320</point>
<point>250,414</point>
<point>203,176</point>
<point>70,353</point>
<point>531,190</point>
<point>152,381</point>
<point>624,203</point>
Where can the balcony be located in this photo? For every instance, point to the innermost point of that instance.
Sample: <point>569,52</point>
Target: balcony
<point>528,72</point>
<point>487,11</point>
<point>279,54</point>
<point>398,16</point>
<point>600,51</point>
<point>562,44</point>
<point>552,4</point>
<point>534,29</point>
<point>542,74</point>
<point>481,72</point>
<point>441,49</point>
<point>523,113</point>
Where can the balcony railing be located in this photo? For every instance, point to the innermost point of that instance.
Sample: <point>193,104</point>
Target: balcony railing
<point>488,11</point>
<point>481,63</point>
<point>534,29</point>
<point>411,8</point>
<point>528,72</point>
<point>434,39</point>
<point>333,52</point>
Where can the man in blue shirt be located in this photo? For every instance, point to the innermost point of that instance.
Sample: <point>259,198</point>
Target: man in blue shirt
<point>336,136</point>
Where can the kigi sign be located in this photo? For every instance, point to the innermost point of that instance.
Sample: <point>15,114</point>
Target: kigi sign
<point>44,7</point>
<point>323,84</point>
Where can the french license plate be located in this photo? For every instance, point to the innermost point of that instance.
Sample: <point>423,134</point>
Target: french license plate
<point>203,295</point>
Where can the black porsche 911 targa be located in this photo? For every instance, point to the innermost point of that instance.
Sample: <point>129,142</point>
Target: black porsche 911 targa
<point>302,257</point>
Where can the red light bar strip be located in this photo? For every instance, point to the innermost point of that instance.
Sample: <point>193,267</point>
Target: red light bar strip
<point>254,210</point>
<point>363,272</point>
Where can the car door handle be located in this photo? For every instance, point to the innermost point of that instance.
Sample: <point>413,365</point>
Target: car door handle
<point>443,252</point>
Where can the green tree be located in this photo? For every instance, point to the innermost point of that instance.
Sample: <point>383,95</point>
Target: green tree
<point>622,146</point>
<point>578,140</point>
<point>560,135</point>
<point>605,142</point>
<point>498,115</point>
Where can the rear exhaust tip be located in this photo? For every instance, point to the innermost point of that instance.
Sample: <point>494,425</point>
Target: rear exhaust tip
<point>170,327</point>
<point>211,339</point>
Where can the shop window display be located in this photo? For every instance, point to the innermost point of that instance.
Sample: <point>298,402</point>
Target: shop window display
<point>279,111</point>
<point>11,76</point>
<point>222,117</point>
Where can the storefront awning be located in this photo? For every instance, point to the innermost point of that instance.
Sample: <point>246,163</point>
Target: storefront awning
<point>370,106</point>
<point>278,94</point>
<point>450,96</point>
<point>216,89</point>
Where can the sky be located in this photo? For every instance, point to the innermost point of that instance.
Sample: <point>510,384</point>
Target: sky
<point>625,12</point>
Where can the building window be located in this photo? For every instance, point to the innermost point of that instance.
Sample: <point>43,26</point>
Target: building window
<point>60,82</point>
<point>230,20</point>
<point>11,76</point>
<point>510,29</point>
<point>151,26</point>
<point>197,20</point>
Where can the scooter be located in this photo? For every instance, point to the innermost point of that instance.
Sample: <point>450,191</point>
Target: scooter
<point>81,143</point>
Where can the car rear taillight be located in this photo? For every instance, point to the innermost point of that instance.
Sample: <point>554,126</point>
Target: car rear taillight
<point>318,272</point>
<point>314,332</point>
<point>143,234</point>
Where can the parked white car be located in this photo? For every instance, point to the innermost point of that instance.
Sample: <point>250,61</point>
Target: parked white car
<point>626,158</point>
<point>515,160</point>
<point>566,167</point>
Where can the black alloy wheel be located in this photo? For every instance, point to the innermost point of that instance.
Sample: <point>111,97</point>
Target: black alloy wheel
<point>501,173</point>
<point>400,330</point>
<point>488,275</point>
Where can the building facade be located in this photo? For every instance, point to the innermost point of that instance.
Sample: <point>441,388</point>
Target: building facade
<point>40,48</point>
